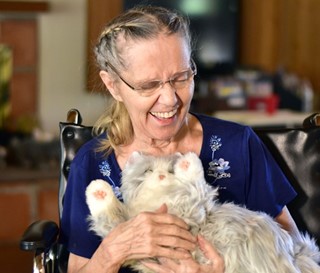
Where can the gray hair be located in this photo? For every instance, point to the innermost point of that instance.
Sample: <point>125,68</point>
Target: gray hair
<point>136,24</point>
<point>144,22</point>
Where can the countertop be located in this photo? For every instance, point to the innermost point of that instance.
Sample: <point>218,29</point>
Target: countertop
<point>281,118</point>
<point>8,174</point>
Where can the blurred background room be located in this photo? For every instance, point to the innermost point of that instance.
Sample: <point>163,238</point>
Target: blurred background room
<point>258,64</point>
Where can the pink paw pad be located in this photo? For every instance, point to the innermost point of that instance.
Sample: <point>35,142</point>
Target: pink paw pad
<point>99,194</point>
<point>184,164</point>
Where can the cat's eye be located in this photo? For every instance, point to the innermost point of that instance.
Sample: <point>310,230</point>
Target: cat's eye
<point>148,170</point>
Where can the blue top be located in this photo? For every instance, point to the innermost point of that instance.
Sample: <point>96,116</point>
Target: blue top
<point>233,157</point>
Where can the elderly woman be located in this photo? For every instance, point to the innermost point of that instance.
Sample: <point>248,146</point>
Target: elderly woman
<point>146,65</point>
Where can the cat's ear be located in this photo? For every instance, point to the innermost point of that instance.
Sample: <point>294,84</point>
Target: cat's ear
<point>175,157</point>
<point>133,158</point>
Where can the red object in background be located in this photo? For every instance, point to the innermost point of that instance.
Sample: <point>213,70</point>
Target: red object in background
<point>268,104</point>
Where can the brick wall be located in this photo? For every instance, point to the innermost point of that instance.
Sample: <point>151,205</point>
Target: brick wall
<point>21,203</point>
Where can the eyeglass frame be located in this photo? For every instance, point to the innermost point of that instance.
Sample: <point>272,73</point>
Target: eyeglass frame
<point>193,69</point>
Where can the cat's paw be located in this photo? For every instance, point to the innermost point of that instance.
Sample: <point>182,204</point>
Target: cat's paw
<point>188,166</point>
<point>99,196</point>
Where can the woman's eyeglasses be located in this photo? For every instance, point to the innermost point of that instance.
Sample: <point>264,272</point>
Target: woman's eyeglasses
<point>178,81</point>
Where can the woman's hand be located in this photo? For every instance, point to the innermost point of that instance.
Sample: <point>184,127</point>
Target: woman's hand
<point>217,262</point>
<point>189,265</point>
<point>149,234</point>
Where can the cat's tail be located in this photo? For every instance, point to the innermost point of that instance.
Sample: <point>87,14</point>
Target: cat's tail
<point>307,254</point>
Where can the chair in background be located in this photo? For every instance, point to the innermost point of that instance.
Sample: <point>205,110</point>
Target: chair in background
<point>297,151</point>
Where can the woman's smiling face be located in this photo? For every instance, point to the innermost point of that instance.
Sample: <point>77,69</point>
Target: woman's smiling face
<point>161,114</point>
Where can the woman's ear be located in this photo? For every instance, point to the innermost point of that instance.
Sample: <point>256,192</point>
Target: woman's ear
<point>109,82</point>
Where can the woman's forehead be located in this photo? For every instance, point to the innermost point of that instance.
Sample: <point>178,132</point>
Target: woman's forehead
<point>171,48</point>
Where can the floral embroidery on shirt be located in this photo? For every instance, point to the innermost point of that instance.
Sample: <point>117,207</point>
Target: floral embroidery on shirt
<point>105,170</point>
<point>215,144</point>
<point>217,167</point>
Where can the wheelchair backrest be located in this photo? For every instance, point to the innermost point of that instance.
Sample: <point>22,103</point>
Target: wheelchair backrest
<point>72,136</point>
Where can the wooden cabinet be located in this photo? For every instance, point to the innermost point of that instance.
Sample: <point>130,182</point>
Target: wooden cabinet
<point>282,33</point>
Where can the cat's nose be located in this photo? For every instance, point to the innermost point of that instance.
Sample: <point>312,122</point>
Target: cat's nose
<point>162,176</point>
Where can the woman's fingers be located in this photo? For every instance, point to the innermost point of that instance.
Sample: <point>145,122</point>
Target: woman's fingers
<point>172,235</point>
<point>163,224</point>
<point>211,254</point>
<point>168,263</point>
<point>162,209</point>
<point>162,232</point>
<point>152,234</point>
<point>162,217</point>
<point>207,248</point>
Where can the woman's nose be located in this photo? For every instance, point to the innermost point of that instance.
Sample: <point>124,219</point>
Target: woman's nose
<point>168,95</point>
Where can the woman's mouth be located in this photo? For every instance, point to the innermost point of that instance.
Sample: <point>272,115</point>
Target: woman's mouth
<point>164,115</point>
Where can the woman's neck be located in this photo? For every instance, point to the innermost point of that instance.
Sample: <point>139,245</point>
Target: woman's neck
<point>188,139</point>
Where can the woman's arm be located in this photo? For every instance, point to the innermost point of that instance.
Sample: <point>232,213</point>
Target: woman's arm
<point>79,264</point>
<point>286,221</point>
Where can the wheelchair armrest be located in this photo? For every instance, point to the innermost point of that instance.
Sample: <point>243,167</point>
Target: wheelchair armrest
<point>39,236</point>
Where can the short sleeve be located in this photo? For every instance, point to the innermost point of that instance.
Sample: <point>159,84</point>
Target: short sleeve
<point>237,162</point>
<point>267,188</point>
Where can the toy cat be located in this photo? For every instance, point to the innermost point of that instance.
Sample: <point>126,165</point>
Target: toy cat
<point>248,241</point>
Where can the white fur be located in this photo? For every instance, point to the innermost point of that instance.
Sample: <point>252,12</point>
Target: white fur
<point>248,241</point>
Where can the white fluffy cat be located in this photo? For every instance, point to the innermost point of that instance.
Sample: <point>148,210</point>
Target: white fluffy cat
<point>248,241</point>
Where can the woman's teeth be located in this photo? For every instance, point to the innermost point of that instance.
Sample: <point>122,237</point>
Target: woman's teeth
<point>164,114</point>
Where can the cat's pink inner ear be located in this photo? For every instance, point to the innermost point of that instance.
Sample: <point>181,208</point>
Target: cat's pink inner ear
<point>100,194</point>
